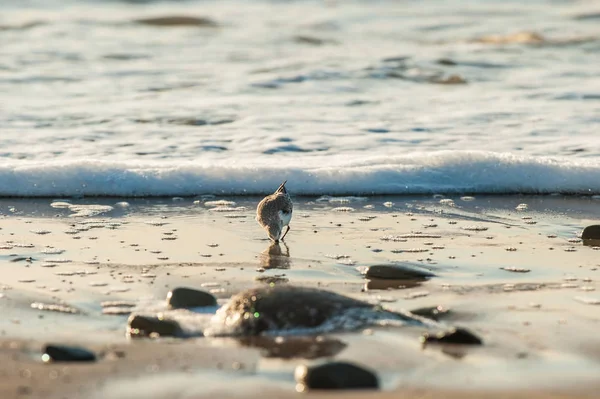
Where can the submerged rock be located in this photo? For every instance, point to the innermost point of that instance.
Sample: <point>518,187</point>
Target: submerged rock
<point>147,326</point>
<point>336,375</point>
<point>456,335</point>
<point>182,297</point>
<point>398,271</point>
<point>285,307</point>
<point>64,353</point>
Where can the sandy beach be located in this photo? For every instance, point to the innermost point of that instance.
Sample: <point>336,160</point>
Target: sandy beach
<point>511,269</point>
<point>443,161</point>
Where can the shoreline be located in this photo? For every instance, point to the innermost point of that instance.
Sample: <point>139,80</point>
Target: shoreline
<point>532,322</point>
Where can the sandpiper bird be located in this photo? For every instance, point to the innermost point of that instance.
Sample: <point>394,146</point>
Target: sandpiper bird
<point>274,213</point>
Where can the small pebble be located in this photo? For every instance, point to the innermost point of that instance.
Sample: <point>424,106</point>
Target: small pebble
<point>335,375</point>
<point>183,297</point>
<point>147,326</point>
<point>64,353</point>
<point>456,335</point>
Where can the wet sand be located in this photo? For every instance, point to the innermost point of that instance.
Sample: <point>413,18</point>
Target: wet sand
<point>510,269</point>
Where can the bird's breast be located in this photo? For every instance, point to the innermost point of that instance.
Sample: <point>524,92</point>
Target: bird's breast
<point>285,217</point>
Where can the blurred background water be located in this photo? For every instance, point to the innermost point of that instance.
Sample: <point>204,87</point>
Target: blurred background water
<point>296,84</point>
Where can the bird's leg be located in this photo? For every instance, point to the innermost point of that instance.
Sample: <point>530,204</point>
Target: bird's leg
<point>288,229</point>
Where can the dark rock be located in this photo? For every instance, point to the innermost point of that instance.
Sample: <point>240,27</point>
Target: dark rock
<point>398,271</point>
<point>337,375</point>
<point>64,353</point>
<point>435,313</point>
<point>591,232</point>
<point>177,20</point>
<point>455,335</point>
<point>311,347</point>
<point>283,307</point>
<point>145,326</point>
<point>182,297</point>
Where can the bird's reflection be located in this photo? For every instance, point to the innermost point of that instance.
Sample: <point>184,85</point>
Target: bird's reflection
<point>276,256</point>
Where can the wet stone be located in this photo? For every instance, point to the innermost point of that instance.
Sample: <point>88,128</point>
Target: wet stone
<point>146,326</point>
<point>336,375</point>
<point>182,297</point>
<point>435,313</point>
<point>456,335</point>
<point>591,232</point>
<point>64,353</point>
<point>281,307</point>
<point>398,271</point>
<point>591,235</point>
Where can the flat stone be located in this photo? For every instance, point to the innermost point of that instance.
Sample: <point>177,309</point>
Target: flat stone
<point>145,326</point>
<point>435,313</point>
<point>398,271</point>
<point>456,335</point>
<point>182,297</point>
<point>335,375</point>
<point>65,353</point>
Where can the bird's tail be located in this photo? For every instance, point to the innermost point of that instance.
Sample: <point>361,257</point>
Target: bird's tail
<point>281,188</point>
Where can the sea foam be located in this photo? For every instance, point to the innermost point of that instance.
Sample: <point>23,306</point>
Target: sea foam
<point>420,173</point>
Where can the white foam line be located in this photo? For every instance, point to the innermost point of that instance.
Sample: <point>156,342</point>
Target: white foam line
<point>425,173</point>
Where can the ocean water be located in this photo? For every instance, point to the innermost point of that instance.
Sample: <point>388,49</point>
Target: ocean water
<point>97,98</point>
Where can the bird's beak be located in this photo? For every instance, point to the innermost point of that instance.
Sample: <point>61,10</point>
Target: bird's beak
<point>281,188</point>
